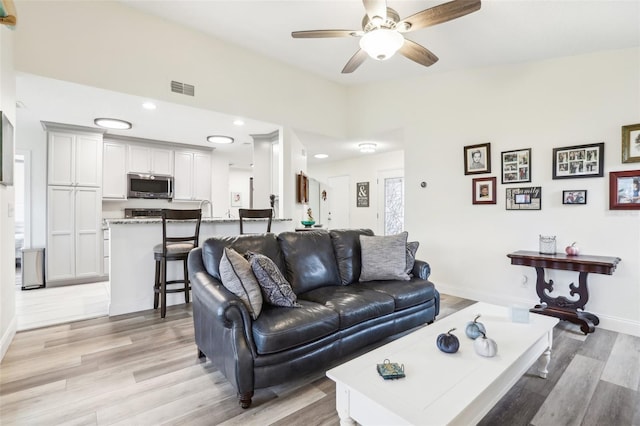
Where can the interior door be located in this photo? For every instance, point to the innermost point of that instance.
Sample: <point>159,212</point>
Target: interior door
<point>338,198</point>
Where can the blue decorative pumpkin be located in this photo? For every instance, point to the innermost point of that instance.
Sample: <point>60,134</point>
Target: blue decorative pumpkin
<point>475,329</point>
<point>448,342</point>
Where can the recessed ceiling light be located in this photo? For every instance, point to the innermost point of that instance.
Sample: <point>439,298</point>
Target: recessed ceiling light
<point>320,156</point>
<point>112,123</point>
<point>367,147</point>
<point>220,139</point>
<point>238,122</point>
<point>149,105</point>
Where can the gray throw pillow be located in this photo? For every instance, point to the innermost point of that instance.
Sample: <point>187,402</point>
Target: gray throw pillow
<point>384,257</point>
<point>276,290</point>
<point>412,248</point>
<point>236,275</point>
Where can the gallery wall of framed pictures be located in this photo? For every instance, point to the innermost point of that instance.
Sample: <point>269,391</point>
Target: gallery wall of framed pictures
<point>568,162</point>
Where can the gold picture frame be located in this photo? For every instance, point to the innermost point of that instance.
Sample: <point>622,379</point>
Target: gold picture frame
<point>631,143</point>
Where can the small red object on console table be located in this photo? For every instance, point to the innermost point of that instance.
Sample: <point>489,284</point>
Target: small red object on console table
<point>561,307</point>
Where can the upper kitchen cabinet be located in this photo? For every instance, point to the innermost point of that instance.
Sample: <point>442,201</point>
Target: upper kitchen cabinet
<point>114,177</point>
<point>192,178</point>
<point>74,159</point>
<point>147,159</point>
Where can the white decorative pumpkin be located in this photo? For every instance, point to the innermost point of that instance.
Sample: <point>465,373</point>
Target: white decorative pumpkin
<point>485,347</point>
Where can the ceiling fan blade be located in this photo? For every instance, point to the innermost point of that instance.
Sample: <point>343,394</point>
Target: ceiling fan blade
<point>375,8</point>
<point>418,53</point>
<point>355,61</point>
<point>325,33</point>
<point>439,14</point>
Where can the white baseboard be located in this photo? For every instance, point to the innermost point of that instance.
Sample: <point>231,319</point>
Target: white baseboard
<point>7,337</point>
<point>607,322</point>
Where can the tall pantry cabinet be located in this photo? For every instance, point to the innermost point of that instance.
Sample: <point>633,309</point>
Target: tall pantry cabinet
<point>74,204</point>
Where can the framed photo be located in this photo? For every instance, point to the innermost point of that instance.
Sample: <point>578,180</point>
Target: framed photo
<point>477,159</point>
<point>631,143</point>
<point>302,188</point>
<point>624,190</point>
<point>236,199</point>
<point>516,166</point>
<point>362,194</point>
<point>529,198</point>
<point>484,190</point>
<point>574,197</point>
<point>579,161</point>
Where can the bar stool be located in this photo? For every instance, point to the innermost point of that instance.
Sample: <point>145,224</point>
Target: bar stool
<point>174,248</point>
<point>255,214</point>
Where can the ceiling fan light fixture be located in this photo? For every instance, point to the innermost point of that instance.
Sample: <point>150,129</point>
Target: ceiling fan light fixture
<point>220,139</point>
<point>382,43</point>
<point>112,123</point>
<point>367,147</point>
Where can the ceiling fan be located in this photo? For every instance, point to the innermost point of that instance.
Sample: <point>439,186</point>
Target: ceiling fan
<point>382,31</point>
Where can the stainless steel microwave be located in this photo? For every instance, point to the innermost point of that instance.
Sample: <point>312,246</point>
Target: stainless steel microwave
<point>149,186</point>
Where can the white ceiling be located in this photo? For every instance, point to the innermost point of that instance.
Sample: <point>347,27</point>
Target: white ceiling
<point>502,32</point>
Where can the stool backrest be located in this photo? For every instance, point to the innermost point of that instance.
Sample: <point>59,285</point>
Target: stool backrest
<point>180,215</point>
<point>255,214</point>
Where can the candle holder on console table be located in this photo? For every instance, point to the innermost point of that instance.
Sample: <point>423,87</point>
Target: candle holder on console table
<point>562,307</point>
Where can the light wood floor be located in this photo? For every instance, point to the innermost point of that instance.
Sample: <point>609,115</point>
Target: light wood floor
<point>138,369</point>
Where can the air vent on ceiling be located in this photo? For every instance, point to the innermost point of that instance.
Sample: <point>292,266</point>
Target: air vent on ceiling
<point>182,88</point>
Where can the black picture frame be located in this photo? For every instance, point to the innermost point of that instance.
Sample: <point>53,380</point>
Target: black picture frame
<point>524,198</point>
<point>579,161</point>
<point>516,166</point>
<point>477,159</point>
<point>574,196</point>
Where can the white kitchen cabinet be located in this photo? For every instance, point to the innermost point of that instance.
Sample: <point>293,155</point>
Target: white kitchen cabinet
<point>114,177</point>
<point>147,159</point>
<point>192,180</point>
<point>74,233</point>
<point>74,159</point>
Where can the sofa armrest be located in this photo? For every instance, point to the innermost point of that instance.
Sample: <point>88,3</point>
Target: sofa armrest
<point>421,269</point>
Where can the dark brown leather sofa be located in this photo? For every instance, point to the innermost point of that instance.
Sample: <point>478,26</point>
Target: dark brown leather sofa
<point>338,314</point>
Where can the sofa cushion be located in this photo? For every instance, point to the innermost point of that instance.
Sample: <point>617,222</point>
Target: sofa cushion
<point>384,257</point>
<point>412,248</point>
<point>276,290</point>
<point>266,244</point>
<point>278,329</point>
<point>354,304</point>
<point>309,260</point>
<point>405,293</point>
<point>346,246</point>
<point>238,278</point>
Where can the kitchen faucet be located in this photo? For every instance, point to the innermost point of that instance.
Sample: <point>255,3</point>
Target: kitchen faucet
<point>202,203</point>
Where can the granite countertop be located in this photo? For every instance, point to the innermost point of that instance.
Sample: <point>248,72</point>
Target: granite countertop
<point>150,220</point>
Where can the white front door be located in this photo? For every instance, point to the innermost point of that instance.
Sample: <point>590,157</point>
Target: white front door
<point>390,202</point>
<point>338,198</point>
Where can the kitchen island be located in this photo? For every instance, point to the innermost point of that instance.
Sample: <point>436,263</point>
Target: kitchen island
<point>132,266</point>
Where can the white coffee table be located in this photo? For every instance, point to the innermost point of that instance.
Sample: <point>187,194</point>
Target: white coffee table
<point>440,388</point>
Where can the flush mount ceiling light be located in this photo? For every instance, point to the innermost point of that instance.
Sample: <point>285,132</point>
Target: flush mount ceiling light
<point>367,147</point>
<point>220,139</point>
<point>238,122</point>
<point>321,156</point>
<point>112,123</point>
<point>149,105</point>
<point>382,43</point>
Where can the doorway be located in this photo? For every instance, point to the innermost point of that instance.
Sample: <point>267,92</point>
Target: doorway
<point>391,202</point>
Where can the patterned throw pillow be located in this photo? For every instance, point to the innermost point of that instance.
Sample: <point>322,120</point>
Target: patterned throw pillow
<point>412,248</point>
<point>236,275</point>
<point>275,287</point>
<point>384,257</point>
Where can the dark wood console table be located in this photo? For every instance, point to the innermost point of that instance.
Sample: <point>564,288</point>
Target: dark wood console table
<point>561,307</point>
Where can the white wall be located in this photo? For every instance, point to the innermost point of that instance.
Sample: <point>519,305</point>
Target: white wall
<point>239,182</point>
<point>7,200</point>
<point>555,103</point>
<point>359,169</point>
